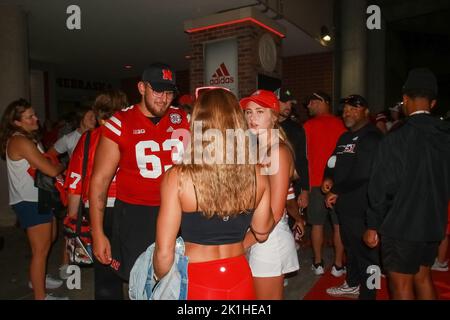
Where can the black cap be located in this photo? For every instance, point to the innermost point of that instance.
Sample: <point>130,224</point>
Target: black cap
<point>421,79</point>
<point>318,95</point>
<point>160,76</point>
<point>285,95</point>
<point>355,100</point>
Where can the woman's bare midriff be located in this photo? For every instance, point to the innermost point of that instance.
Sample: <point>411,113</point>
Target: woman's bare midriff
<point>201,253</point>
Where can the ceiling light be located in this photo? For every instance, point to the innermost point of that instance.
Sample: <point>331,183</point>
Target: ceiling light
<point>128,66</point>
<point>325,34</point>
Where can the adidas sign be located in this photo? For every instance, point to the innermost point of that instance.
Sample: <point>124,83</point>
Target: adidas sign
<point>221,76</point>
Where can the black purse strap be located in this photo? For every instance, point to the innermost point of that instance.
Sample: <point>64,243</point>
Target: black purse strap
<point>83,174</point>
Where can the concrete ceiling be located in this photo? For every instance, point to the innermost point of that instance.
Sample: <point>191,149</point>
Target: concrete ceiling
<point>133,32</point>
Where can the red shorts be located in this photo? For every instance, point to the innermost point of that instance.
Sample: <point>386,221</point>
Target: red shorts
<point>223,279</point>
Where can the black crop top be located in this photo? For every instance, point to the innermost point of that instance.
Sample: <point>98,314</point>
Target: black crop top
<point>197,228</point>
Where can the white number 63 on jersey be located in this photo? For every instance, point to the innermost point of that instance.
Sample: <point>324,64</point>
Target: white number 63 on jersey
<point>142,159</point>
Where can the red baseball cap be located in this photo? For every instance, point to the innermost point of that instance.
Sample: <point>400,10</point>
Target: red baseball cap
<point>264,98</point>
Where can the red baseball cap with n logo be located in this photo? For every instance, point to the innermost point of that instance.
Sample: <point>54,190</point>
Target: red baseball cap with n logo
<point>160,76</point>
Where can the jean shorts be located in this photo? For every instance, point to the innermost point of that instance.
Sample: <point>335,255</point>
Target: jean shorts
<point>28,215</point>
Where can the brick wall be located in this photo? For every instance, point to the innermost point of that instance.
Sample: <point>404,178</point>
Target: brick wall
<point>308,73</point>
<point>247,35</point>
<point>183,81</point>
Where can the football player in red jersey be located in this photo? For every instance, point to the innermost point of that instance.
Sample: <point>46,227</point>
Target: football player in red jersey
<point>137,143</point>
<point>107,286</point>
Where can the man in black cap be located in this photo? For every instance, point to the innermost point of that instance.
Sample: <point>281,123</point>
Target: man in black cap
<point>409,191</point>
<point>345,184</point>
<point>135,147</point>
<point>296,136</point>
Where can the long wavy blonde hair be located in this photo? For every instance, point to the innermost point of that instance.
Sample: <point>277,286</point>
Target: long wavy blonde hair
<point>222,189</point>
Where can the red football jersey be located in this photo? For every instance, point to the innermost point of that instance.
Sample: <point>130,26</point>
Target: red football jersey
<point>145,152</point>
<point>73,181</point>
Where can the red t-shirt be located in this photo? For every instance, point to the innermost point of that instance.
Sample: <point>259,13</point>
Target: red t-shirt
<point>145,151</point>
<point>74,181</point>
<point>322,133</point>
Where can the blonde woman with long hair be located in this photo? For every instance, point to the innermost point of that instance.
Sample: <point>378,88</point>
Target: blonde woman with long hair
<point>277,256</point>
<point>214,204</point>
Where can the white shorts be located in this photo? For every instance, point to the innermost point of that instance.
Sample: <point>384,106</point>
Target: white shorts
<point>277,255</point>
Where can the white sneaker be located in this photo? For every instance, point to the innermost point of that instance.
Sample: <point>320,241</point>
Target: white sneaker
<point>440,266</point>
<point>50,283</point>
<point>338,272</point>
<point>344,290</point>
<point>63,274</point>
<point>318,269</point>
<point>52,297</point>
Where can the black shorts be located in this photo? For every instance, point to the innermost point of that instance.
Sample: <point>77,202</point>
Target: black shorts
<point>134,229</point>
<point>317,213</point>
<point>406,257</point>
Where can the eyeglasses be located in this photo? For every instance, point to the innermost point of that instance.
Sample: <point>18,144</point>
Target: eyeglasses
<point>160,94</point>
<point>201,90</point>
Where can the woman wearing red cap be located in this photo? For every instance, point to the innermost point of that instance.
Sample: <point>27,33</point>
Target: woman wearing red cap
<point>277,256</point>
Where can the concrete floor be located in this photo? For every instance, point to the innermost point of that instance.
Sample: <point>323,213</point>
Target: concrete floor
<point>15,256</point>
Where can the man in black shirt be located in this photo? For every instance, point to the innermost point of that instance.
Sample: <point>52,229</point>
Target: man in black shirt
<point>297,138</point>
<point>409,191</point>
<point>345,183</point>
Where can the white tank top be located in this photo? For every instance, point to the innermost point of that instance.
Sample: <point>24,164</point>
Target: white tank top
<point>20,183</point>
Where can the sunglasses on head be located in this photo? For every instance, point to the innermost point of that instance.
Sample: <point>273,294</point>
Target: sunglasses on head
<point>200,90</point>
<point>318,96</point>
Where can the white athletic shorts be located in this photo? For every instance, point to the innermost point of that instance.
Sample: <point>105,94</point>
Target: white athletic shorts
<point>277,255</point>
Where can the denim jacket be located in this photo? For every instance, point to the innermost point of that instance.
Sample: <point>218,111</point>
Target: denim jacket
<point>173,286</point>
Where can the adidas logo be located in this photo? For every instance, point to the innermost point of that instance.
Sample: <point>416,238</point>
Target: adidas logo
<point>170,129</point>
<point>221,76</point>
